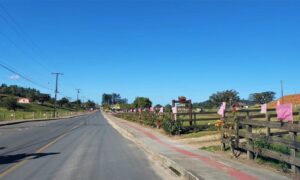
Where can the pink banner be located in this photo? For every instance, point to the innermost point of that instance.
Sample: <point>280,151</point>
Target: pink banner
<point>161,110</point>
<point>151,109</point>
<point>278,102</point>
<point>174,110</point>
<point>222,109</point>
<point>263,109</point>
<point>285,112</point>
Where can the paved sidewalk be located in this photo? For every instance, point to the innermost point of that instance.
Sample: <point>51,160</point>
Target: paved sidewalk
<point>200,164</point>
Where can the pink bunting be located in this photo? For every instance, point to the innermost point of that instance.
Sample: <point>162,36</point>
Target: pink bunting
<point>263,109</point>
<point>222,109</point>
<point>285,112</point>
<point>161,110</point>
<point>174,110</point>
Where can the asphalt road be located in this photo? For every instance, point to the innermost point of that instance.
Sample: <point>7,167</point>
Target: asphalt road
<point>85,147</point>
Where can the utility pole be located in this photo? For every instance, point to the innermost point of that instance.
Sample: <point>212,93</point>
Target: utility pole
<point>83,98</point>
<point>281,82</point>
<point>78,91</point>
<point>56,90</point>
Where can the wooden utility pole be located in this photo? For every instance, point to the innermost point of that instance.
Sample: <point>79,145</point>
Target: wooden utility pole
<point>78,91</point>
<point>282,98</point>
<point>56,91</point>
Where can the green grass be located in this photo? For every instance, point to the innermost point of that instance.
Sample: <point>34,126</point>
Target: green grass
<point>199,134</point>
<point>273,163</point>
<point>27,111</point>
<point>211,148</point>
<point>284,167</point>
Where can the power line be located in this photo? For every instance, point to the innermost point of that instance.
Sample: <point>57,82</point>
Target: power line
<point>21,33</point>
<point>16,46</point>
<point>17,28</point>
<point>23,76</point>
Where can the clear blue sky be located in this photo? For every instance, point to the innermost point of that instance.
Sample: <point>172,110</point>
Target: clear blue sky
<point>157,49</point>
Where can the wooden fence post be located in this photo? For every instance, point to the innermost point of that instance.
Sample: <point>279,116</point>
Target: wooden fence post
<point>236,127</point>
<point>250,154</point>
<point>293,152</point>
<point>268,130</point>
<point>223,145</point>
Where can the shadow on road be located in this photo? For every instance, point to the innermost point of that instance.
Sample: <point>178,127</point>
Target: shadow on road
<point>8,159</point>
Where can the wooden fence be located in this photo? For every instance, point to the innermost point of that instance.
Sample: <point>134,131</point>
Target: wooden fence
<point>195,117</point>
<point>256,133</point>
<point>19,115</point>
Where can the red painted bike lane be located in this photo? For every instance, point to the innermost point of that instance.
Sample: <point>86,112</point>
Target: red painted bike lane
<point>234,173</point>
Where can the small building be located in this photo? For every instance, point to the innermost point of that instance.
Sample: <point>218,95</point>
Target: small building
<point>116,107</point>
<point>23,101</point>
<point>292,99</point>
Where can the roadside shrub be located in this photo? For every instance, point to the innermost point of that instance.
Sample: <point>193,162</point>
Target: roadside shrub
<point>149,118</point>
<point>171,127</point>
<point>10,103</point>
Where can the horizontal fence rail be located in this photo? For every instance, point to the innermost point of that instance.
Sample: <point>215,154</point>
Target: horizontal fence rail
<point>272,139</point>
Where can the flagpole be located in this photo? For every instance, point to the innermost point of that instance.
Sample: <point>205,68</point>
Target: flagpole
<point>282,91</point>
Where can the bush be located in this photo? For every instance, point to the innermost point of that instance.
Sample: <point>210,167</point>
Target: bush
<point>151,119</point>
<point>171,127</point>
<point>10,103</point>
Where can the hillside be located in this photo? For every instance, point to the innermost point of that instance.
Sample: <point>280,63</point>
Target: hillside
<point>34,107</point>
<point>293,98</point>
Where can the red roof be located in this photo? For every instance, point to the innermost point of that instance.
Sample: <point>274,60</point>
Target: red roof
<point>293,98</point>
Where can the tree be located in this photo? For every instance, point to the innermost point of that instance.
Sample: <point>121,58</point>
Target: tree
<point>76,104</point>
<point>168,108</point>
<point>10,103</point>
<point>106,99</point>
<point>205,105</point>
<point>18,91</point>
<point>142,102</point>
<point>114,98</point>
<point>63,101</point>
<point>43,98</point>
<point>157,106</point>
<point>90,104</point>
<point>228,96</point>
<point>263,97</point>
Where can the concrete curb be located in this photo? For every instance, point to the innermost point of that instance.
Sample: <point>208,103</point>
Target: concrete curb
<point>37,120</point>
<point>163,160</point>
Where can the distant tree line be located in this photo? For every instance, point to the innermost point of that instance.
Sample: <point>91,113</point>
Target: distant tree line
<point>9,95</point>
<point>112,99</point>
<point>232,97</point>
<point>30,93</point>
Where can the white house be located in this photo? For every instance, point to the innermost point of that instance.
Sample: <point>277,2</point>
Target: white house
<point>23,101</point>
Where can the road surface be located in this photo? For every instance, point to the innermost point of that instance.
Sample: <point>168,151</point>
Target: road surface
<point>84,147</point>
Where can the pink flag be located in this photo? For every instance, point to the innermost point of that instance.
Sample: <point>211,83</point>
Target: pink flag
<point>151,109</point>
<point>263,109</point>
<point>278,102</point>
<point>285,112</point>
<point>174,110</point>
<point>222,109</point>
<point>161,110</point>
